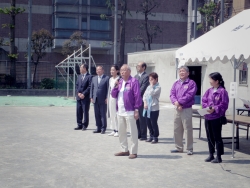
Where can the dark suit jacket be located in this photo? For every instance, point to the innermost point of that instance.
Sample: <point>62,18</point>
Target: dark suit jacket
<point>144,82</point>
<point>99,91</point>
<point>83,86</point>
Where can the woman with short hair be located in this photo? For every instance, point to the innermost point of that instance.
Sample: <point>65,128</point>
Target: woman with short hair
<point>151,107</point>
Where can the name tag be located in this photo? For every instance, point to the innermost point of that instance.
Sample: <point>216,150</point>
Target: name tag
<point>217,98</point>
<point>186,86</point>
<point>127,88</point>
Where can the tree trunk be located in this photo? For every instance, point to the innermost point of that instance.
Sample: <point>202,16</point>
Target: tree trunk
<point>122,33</point>
<point>34,75</point>
<point>12,42</point>
<point>146,27</point>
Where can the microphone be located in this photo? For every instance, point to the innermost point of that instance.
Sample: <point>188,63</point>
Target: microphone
<point>117,82</point>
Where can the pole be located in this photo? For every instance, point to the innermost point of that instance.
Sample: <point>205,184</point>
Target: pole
<point>29,43</point>
<point>89,58</point>
<point>233,125</point>
<point>115,33</point>
<point>195,18</point>
<point>189,24</point>
<point>68,78</point>
<point>221,11</point>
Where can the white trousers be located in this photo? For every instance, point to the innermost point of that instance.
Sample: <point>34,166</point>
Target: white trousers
<point>123,123</point>
<point>112,113</point>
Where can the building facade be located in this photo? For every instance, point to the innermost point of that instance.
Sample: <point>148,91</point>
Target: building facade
<point>63,17</point>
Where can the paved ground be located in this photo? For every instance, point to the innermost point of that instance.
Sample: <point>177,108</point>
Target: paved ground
<point>39,148</point>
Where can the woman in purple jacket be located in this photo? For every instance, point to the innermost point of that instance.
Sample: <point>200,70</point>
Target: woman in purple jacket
<point>216,101</point>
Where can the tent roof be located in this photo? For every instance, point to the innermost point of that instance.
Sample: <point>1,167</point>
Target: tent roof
<point>228,40</point>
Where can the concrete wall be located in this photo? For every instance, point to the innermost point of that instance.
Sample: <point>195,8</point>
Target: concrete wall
<point>160,61</point>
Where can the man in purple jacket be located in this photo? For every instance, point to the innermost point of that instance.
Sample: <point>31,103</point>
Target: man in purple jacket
<point>127,93</point>
<point>182,96</point>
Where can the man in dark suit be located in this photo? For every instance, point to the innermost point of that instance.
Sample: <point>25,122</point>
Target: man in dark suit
<point>83,85</point>
<point>142,76</point>
<point>99,96</point>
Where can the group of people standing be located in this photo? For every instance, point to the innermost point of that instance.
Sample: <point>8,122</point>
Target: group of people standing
<point>133,102</point>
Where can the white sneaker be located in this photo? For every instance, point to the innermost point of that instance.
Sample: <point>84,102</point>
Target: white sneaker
<point>189,152</point>
<point>112,133</point>
<point>116,134</point>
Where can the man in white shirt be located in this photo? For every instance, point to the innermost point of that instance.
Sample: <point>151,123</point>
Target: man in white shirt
<point>127,92</point>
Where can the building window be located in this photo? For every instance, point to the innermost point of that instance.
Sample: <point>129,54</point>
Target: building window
<point>74,15</point>
<point>96,23</point>
<point>69,22</point>
<point>67,1</point>
<point>243,74</point>
<point>98,2</point>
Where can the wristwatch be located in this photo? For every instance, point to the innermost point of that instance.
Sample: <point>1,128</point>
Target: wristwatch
<point>136,110</point>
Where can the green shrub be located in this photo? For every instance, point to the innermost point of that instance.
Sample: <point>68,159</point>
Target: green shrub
<point>47,83</point>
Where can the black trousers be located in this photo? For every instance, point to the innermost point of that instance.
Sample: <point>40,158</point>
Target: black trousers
<point>100,115</point>
<point>213,130</point>
<point>153,125</point>
<point>141,123</point>
<point>82,109</point>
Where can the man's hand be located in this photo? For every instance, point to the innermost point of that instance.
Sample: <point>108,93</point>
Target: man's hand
<point>136,115</point>
<point>82,96</point>
<point>92,100</point>
<point>106,101</point>
<point>176,103</point>
<point>145,106</point>
<point>179,108</point>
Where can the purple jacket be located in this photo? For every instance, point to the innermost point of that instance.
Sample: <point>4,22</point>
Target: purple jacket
<point>183,93</point>
<point>218,100</point>
<point>131,96</point>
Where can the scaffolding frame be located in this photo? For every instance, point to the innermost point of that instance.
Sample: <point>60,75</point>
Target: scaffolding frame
<point>71,61</point>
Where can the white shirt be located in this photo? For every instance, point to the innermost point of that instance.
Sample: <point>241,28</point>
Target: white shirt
<point>99,79</point>
<point>121,109</point>
<point>83,76</point>
<point>140,74</point>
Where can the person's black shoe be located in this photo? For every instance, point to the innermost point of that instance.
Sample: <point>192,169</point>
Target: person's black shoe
<point>84,129</point>
<point>217,160</point>
<point>96,131</point>
<point>102,132</point>
<point>141,139</point>
<point>149,140</point>
<point>210,158</point>
<point>78,128</point>
<point>154,142</point>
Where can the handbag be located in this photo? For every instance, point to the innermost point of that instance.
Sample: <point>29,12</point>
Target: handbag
<point>223,120</point>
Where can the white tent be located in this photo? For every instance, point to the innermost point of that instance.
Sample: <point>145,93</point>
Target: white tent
<point>230,40</point>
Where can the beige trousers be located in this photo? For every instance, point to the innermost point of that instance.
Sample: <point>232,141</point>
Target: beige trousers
<point>183,122</point>
<point>123,123</point>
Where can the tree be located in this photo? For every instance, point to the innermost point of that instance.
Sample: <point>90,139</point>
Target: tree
<point>40,41</point>
<point>122,13</point>
<point>1,41</point>
<point>12,11</point>
<point>147,31</point>
<point>210,13</point>
<point>75,42</point>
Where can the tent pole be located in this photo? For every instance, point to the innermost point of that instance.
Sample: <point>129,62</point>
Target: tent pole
<point>233,126</point>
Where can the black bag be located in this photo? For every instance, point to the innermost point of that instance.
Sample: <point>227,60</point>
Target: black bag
<point>223,120</point>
